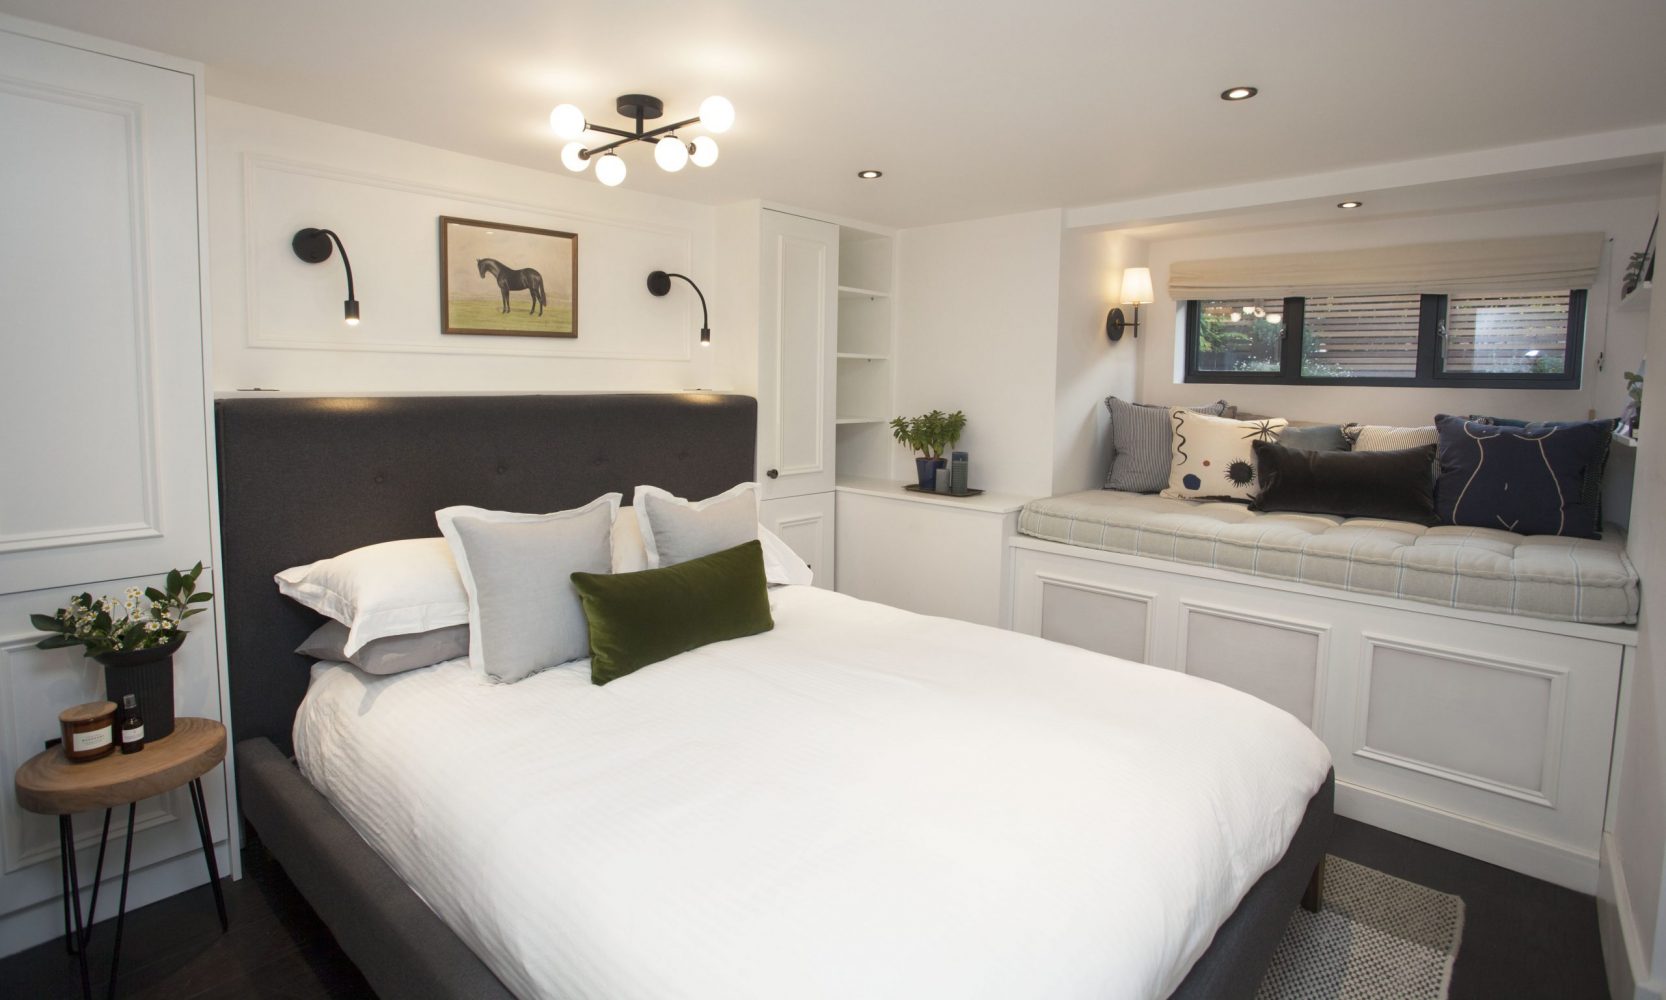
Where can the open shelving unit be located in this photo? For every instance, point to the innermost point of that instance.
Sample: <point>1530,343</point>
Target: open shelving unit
<point>864,354</point>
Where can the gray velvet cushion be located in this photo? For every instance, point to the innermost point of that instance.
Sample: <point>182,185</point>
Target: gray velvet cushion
<point>1314,437</point>
<point>392,655</point>
<point>675,530</point>
<point>524,615</point>
<point>1140,443</point>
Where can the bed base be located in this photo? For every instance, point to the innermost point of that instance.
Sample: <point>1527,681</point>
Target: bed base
<point>404,950</point>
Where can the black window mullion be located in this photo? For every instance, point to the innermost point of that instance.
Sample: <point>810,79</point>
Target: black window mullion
<point>1290,358</point>
<point>1431,324</point>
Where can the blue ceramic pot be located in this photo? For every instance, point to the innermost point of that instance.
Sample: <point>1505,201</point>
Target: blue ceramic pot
<point>927,469</point>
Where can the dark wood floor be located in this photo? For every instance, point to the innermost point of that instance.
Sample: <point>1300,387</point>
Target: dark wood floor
<point>1523,939</point>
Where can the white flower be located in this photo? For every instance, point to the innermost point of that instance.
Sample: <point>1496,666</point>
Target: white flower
<point>151,626</point>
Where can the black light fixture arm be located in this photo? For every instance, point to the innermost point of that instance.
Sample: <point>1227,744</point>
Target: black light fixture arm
<point>313,246</point>
<point>653,135</point>
<point>659,283</point>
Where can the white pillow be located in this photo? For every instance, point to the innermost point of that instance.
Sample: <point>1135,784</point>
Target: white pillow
<point>1213,457</point>
<point>524,615</point>
<point>390,588</point>
<point>782,565</point>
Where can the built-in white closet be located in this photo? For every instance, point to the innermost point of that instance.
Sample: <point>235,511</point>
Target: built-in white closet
<point>108,478</point>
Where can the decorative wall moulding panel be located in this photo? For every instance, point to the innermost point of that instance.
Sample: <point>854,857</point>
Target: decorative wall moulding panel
<point>1470,718</point>
<point>1282,661</point>
<point>90,206</point>
<point>1110,620</point>
<point>801,361</point>
<point>392,226</point>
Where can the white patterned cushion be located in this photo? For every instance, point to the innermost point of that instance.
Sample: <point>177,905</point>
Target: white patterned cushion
<point>1214,457</point>
<point>1478,569</point>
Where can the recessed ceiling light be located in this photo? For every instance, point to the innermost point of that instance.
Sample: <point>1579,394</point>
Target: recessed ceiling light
<point>1349,204</point>
<point>869,175</point>
<point>1239,93</point>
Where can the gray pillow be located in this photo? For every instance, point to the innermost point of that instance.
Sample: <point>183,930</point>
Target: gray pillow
<point>391,655</point>
<point>1314,437</point>
<point>675,530</point>
<point>524,614</point>
<point>1140,441</point>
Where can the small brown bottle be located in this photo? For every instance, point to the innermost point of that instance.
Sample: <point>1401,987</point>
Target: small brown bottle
<point>132,725</point>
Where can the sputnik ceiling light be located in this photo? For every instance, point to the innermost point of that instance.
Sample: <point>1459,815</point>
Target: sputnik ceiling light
<point>671,151</point>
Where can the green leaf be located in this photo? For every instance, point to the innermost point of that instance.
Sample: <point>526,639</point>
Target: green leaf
<point>199,598</point>
<point>46,623</point>
<point>156,596</point>
<point>187,614</point>
<point>57,642</point>
<point>175,584</point>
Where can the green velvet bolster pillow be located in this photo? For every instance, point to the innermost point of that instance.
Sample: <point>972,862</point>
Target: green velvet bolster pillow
<point>644,617</point>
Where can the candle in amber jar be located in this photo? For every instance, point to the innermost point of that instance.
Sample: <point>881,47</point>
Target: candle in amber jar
<point>89,730</point>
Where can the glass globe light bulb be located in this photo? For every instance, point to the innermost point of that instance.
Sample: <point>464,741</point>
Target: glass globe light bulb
<point>717,114</point>
<point>1275,318</point>
<point>567,121</point>
<point>611,170</point>
<point>671,154</point>
<point>703,151</point>
<point>572,158</point>
<point>1236,316</point>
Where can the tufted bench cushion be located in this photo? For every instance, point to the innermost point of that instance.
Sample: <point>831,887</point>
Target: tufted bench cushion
<point>1478,569</point>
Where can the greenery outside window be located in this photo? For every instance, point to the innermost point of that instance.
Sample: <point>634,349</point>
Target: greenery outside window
<point>1520,340</point>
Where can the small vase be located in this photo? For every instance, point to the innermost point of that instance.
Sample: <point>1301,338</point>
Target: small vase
<point>927,470</point>
<point>148,674</point>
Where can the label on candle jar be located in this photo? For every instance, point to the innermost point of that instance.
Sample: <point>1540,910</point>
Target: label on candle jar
<point>93,739</point>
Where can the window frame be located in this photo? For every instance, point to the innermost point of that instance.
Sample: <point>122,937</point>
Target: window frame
<point>1431,329</point>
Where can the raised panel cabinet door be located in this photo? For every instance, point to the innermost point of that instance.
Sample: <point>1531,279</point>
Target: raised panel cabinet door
<point>798,320</point>
<point>806,524</point>
<point>101,359</point>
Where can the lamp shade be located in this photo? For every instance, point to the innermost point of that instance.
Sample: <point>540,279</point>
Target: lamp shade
<point>1136,286</point>
<point>567,121</point>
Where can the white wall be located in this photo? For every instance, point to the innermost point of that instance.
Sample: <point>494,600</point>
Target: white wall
<point>1089,366</point>
<point>1638,855</point>
<point>978,330</point>
<point>1625,220</point>
<point>277,321</point>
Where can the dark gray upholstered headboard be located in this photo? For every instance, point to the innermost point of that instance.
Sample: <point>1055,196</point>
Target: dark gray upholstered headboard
<point>305,479</point>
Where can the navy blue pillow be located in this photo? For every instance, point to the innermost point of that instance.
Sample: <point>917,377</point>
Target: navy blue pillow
<point>1542,479</point>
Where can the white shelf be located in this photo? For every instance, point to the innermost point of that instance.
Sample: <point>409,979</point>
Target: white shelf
<point>1624,441</point>
<point>851,355</point>
<point>1639,297</point>
<point>992,503</point>
<point>852,292</point>
<point>860,420</point>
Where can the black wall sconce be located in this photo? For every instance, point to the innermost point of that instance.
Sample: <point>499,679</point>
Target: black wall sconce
<point>1136,292</point>
<point>659,283</point>
<point>313,246</point>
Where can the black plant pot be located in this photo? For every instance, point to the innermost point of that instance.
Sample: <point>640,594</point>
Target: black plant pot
<point>148,674</point>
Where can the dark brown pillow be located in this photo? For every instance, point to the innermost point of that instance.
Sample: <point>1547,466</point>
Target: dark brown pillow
<point>1394,485</point>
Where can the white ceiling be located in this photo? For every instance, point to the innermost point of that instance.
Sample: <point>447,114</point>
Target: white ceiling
<point>970,109</point>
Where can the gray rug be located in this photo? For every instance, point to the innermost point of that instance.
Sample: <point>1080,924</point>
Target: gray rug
<point>1376,938</point>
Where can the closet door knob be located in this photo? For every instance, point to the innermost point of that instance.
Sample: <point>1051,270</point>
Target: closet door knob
<point>773,473</point>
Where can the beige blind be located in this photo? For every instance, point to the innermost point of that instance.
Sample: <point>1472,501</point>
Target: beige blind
<point>1533,264</point>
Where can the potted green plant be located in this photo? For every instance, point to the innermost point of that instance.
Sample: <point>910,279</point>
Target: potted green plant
<point>929,435</point>
<point>134,637</point>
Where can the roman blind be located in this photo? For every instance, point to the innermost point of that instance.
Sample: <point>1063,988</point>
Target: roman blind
<point>1532,264</point>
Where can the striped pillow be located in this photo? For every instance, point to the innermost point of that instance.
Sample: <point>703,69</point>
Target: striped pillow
<point>1141,439</point>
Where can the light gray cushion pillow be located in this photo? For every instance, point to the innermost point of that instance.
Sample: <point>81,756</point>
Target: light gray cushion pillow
<point>1314,437</point>
<point>675,530</point>
<point>1140,443</point>
<point>524,615</point>
<point>392,655</point>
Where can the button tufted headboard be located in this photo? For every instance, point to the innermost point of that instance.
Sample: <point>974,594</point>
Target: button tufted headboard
<point>305,479</point>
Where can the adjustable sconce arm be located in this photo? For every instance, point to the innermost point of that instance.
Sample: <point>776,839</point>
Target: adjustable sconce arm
<point>313,246</point>
<point>659,283</point>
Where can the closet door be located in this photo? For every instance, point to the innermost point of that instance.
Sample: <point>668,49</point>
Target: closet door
<point>798,323</point>
<point>106,451</point>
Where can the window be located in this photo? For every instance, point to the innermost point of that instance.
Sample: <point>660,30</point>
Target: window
<point>1524,340</point>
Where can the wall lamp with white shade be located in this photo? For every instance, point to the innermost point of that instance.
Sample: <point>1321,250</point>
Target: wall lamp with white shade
<point>1136,292</point>
<point>313,246</point>
<point>659,283</point>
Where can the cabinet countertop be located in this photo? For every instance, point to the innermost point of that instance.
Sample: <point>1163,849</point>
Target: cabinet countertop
<point>986,503</point>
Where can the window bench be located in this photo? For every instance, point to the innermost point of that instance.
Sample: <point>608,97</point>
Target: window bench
<point>1450,717</point>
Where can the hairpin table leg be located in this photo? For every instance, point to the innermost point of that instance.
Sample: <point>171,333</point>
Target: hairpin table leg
<point>199,805</point>
<point>121,907</point>
<point>66,844</point>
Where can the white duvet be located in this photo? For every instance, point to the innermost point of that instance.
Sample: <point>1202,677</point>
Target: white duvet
<point>863,802</point>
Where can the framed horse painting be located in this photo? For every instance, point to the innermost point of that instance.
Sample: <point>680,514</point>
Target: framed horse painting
<point>504,280</point>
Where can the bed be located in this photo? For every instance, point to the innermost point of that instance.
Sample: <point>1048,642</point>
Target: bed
<point>764,901</point>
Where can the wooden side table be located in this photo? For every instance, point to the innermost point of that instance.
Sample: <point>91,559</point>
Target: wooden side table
<point>50,784</point>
